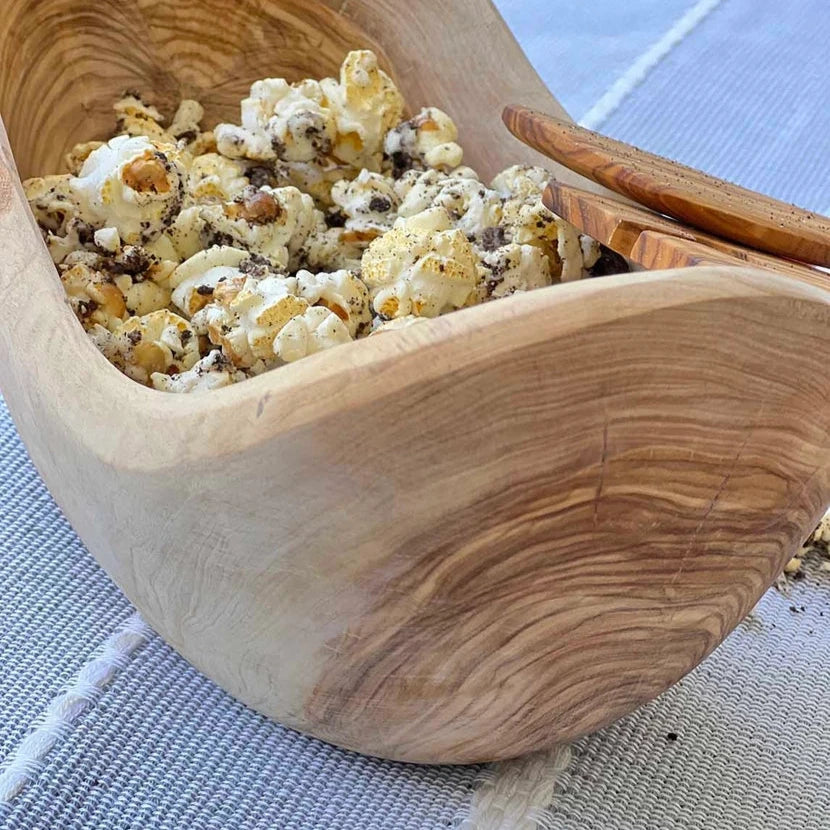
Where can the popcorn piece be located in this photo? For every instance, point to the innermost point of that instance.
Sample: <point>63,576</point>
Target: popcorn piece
<point>512,268</point>
<point>205,142</point>
<point>132,184</point>
<point>473,207</point>
<point>422,266</point>
<point>211,372</point>
<point>310,121</point>
<point>313,331</point>
<point>94,297</point>
<point>521,181</point>
<point>196,278</point>
<point>315,178</point>
<point>108,240</point>
<point>529,222</point>
<point>366,104</point>
<point>52,202</point>
<point>272,222</point>
<point>569,249</point>
<point>185,123</point>
<point>368,203</point>
<point>244,320</point>
<point>427,140</point>
<point>280,121</point>
<point>106,289</point>
<point>76,157</point>
<point>326,250</point>
<point>157,342</point>
<point>342,292</point>
<point>134,117</point>
<point>214,178</point>
<point>591,251</point>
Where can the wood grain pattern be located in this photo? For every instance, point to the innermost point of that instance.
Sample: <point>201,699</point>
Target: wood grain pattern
<point>456,542</point>
<point>655,250</point>
<point>681,192</point>
<point>621,226</point>
<point>80,57</point>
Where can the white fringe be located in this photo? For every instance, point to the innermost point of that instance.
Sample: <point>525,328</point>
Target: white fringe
<point>516,795</point>
<point>636,73</point>
<point>26,761</point>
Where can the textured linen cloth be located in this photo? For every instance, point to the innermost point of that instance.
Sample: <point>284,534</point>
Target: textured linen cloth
<point>162,747</point>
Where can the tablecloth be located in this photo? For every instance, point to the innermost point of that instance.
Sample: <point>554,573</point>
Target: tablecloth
<point>103,726</point>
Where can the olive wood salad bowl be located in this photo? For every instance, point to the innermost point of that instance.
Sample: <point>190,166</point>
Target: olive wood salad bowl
<point>456,542</point>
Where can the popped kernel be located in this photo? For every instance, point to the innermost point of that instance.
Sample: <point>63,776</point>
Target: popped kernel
<point>196,258</point>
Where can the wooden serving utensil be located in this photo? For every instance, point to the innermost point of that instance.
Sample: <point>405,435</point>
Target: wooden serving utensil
<point>689,195</point>
<point>654,241</point>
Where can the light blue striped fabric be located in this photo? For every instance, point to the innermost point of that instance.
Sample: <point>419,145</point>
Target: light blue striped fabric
<point>747,98</point>
<point>163,748</point>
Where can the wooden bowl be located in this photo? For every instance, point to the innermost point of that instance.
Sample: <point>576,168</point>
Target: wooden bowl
<point>457,542</point>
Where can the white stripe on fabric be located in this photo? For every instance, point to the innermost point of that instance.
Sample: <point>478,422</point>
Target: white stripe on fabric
<point>638,71</point>
<point>25,762</point>
<point>516,795</point>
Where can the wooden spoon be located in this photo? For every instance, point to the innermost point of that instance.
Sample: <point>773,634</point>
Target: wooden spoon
<point>684,193</point>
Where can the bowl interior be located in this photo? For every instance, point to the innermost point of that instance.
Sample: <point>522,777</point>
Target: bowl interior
<point>66,61</point>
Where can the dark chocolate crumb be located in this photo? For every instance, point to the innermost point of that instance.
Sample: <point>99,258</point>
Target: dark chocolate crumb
<point>380,204</point>
<point>492,238</point>
<point>204,290</point>
<point>187,136</point>
<point>335,218</point>
<point>609,262</point>
<point>260,176</point>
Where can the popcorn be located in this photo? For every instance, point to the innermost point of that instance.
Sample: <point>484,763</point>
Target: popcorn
<point>315,178</point>
<point>512,268</point>
<point>342,293</point>
<point>106,289</point>
<point>51,201</point>
<point>245,318</point>
<point>214,178</point>
<point>94,297</point>
<point>325,249</point>
<point>569,248</point>
<point>107,239</point>
<point>280,121</point>
<point>311,121</point>
<point>197,258</point>
<point>76,157</point>
<point>136,118</point>
<point>313,331</point>
<point>153,343</point>
<point>427,140</point>
<point>368,204</point>
<point>185,123</point>
<point>422,266</point>
<point>130,183</point>
<point>196,278</point>
<point>529,222</point>
<point>473,207</point>
<point>272,222</point>
<point>521,181</point>
<point>366,104</point>
<point>210,372</point>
